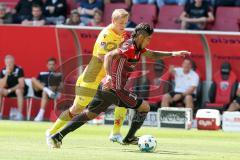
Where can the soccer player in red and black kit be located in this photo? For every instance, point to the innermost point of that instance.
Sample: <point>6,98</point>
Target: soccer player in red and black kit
<point>119,64</point>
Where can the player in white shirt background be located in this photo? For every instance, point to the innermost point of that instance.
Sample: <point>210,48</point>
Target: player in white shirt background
<point>186,81</point>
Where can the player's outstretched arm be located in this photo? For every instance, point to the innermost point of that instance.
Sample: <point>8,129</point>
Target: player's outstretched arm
<point>164,54</point>
<point>108,58</point>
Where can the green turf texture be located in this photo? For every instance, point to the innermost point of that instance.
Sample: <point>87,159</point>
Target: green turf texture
<point>26,141</point>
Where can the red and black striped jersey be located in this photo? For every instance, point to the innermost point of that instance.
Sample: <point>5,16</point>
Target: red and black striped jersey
<point>125,63</point>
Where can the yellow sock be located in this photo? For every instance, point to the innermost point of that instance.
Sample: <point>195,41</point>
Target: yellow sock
<point>60,122</point>
<point>119,117</point>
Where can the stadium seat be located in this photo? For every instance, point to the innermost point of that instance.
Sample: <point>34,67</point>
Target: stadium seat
<point>30,97</point>
<point>168,17</point>
<point>109,8</point>
<point>223,88</point>
<point>10,4</point>
<point>71,5</point>
<point>227,19</point>
<point>144,13</point>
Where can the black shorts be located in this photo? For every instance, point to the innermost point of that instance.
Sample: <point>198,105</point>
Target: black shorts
<point>172,94</point>
<point>103,99</point>
<point>13,94</point>
<point>237,100</point>
<point>38,93</point>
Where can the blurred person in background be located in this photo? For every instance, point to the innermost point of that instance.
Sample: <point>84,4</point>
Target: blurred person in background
<point>43,87</point>
<point>55,11</point>
<point>127,2</point>
<point>88,8</point>
<point>196,15</point>
<point>130,23</point>
<point>186,81</point>
<point>143,1</point>
<point>23,9</point>
<point>12,84</point>
<point>5,18</point>
<point>235,105</point>
<point>36,18</point>
<point>161,3</point>
<point>97,19</point>
<point>74,19</point>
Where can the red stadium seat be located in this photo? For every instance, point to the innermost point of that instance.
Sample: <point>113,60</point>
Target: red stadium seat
<point>144,13</point>
<point>227,19</point>
<point>109,8</point>
<point>222,90</point>
<point>168,16</point>
<point>71,5</point>
<point>10,4</point>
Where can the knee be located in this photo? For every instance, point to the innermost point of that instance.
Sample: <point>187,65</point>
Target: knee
<point>1,92</point>
<point>44,95</point>
<point>19,92</point>
<point>75,109</point>
<point>91,115</point>
<point>145,107</point>
<point>166,97</point>
<point>189,99</point>
<point>33,79</point>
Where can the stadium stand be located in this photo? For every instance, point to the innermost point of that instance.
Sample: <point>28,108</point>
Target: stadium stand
<point>168,17</point>
<point>144,13</point>
<point>109,8</point>
<point>11,4</point>
<point>71,5</point>
<point>227,19</point>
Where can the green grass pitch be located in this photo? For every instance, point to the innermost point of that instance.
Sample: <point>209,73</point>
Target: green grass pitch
<point>26,141</point>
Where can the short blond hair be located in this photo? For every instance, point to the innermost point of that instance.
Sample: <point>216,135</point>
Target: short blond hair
<point>120,13</point>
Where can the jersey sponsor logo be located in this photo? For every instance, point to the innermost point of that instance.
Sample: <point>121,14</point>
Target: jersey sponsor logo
<point>110,46</point>
<point>224,85</point>
<point>102,44</point>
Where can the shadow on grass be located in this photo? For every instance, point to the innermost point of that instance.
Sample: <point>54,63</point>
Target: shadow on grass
<point>158,152</point>
<point>130,150</point>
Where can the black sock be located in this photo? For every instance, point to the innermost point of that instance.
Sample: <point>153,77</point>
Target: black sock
<point>75,123</point>
<point>137,122</point>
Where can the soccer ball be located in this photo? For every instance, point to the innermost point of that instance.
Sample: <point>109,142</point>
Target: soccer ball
<point>147,143</point>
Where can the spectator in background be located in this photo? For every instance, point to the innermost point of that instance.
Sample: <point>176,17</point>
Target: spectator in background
<point>12,83</point>
<point>235,105</point>
<point>43,89</point>
<point>186,81</point>
<point>225,2</point>
<point>196,15</point>
<point>5,18</point>
<point>87,9</point>
<point>36,19</point>
<point>127,2</point>
<point>55,11</point>
<point>161,3</point>
<point>97,19</point>
<point>143,1</point>
<point>74,19</point>
<point>23,9</point>
<point>130,23</point>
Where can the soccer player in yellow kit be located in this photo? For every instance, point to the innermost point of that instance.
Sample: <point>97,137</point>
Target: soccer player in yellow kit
<point>86,86</point>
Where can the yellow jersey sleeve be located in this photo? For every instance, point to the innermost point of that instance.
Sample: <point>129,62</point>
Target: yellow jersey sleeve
<point>106,42</point>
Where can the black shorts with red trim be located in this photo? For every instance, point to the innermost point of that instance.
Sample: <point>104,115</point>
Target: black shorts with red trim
<point>103,99</point>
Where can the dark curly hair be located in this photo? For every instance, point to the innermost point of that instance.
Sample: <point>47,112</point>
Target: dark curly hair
<point>142,29</point>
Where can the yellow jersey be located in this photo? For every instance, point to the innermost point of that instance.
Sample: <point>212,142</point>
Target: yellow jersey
<point>93,74</point>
